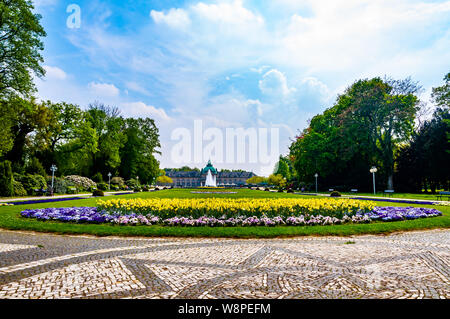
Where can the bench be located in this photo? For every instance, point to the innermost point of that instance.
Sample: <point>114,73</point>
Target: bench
<point>354,191</point>
<point>71,190</point>
<point>388,192</point>
<point>40,192</point>
<point>331,190</point>
<point>443,194</point>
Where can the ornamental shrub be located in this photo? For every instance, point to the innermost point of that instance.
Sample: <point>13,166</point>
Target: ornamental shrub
<point>335,194</point>
<point>60,185</point>
<point>132,183</point>
<point>6,179</point>
<point>118,181</point>
<point>98,192</point>
<point>35,168</point>
<point>102,186</point>
<point>18,189</point>
<point>31,182</point>
<point>82,183</point>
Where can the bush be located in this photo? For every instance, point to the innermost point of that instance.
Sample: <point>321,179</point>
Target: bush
<point>137,189</point>
<point>82,183</point>
<point>118,181</point>
<point>102,186</point>
<point>18,189</point>
<point>6,179</point>
<point>60,185</point>
<point>35,168</point>
<point>335,194</point>
<point>132,183</point>
<point>31,182</point>
<point>98,178</point>
<point>290,190</point>
<point>98,192</point>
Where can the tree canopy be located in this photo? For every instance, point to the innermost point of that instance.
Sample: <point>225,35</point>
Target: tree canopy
<point>20,47</point>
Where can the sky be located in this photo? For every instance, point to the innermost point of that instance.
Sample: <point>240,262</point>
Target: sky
<point>234,64</point>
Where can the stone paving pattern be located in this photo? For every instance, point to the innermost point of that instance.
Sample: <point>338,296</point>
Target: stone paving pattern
<point>407,265</point>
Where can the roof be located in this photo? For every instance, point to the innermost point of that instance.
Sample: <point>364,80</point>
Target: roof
<point>209,167</point>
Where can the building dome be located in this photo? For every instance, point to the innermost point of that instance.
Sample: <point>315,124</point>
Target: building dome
<point>209,167</point>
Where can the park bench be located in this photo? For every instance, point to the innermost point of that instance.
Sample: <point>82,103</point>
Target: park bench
<point>331,190</point>
<point>71,190</point>
<point>354,191</point>
<point>388,192</point>
<point>40,192</point>
<point>443,194</point>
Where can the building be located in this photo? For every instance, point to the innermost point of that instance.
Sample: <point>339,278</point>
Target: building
<point>198,178</point>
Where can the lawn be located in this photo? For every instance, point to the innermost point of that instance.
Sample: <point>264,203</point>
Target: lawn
<point>430,197</point>
<point>10,219</point>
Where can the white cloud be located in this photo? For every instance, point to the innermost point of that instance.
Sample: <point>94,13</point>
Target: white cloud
<point>175,18</point>
<point>136,87</point>
<point>140,109</point>
<point>42,3</point>
<point>227,12</point>
<point>274,82</point>
<point>53,72</point>
<point>104,89</point>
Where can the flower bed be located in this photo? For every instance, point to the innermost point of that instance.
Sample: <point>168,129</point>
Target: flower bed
<point>232,208</point>
<point>94,215</point>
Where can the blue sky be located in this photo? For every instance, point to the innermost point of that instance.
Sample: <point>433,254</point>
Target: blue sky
<point>236,63</point>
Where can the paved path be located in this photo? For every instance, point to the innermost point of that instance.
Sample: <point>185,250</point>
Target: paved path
<point>408,265</point>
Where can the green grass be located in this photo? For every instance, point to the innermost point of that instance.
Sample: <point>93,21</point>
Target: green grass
<point>10,219</point>
<point>430,197</point>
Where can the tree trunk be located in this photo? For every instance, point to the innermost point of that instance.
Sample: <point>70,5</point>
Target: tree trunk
<point>390,182</point>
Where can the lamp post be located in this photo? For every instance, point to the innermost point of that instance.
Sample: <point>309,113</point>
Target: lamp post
<point>109,180</point>
<point>373,170</point>
<point>316,175</point>
<point>53,169</point>
<point>137,178</point>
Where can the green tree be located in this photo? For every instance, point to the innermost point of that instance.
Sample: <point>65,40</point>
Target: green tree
<point>441,94</point>
<point>26,117</point>
<point>20,46</point>
<point>282,168</point>
<point>256,180</point>
<point>137,153</point>
<point>277,180</point>
<point>109,128</point>
<point>424,162</point>
<point>164,180</point>
<point>6,179</point>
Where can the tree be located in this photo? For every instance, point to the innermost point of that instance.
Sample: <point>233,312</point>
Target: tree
<point>277,180</point>
<point>256,180</point>
<point>26,117</point>
<point>163,180</point>
<point>441,97</point>
<point>109,128</point>
<point>137,153</point>
<point>20,46</point>
<point>365,127</point>
<point>424,162</point>
<point>282,168</point>
<point>384,111</point>
<point>6,179</point>
<point>441,94</point>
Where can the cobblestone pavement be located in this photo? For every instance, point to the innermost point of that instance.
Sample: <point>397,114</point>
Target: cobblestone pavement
<point>408,265</point>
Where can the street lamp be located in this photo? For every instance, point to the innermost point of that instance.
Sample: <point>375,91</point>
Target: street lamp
<point>373,170</point>
<point>109,181</point>
<point>53,169</point>
<point>137,178</point>
<point>316,175</point>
